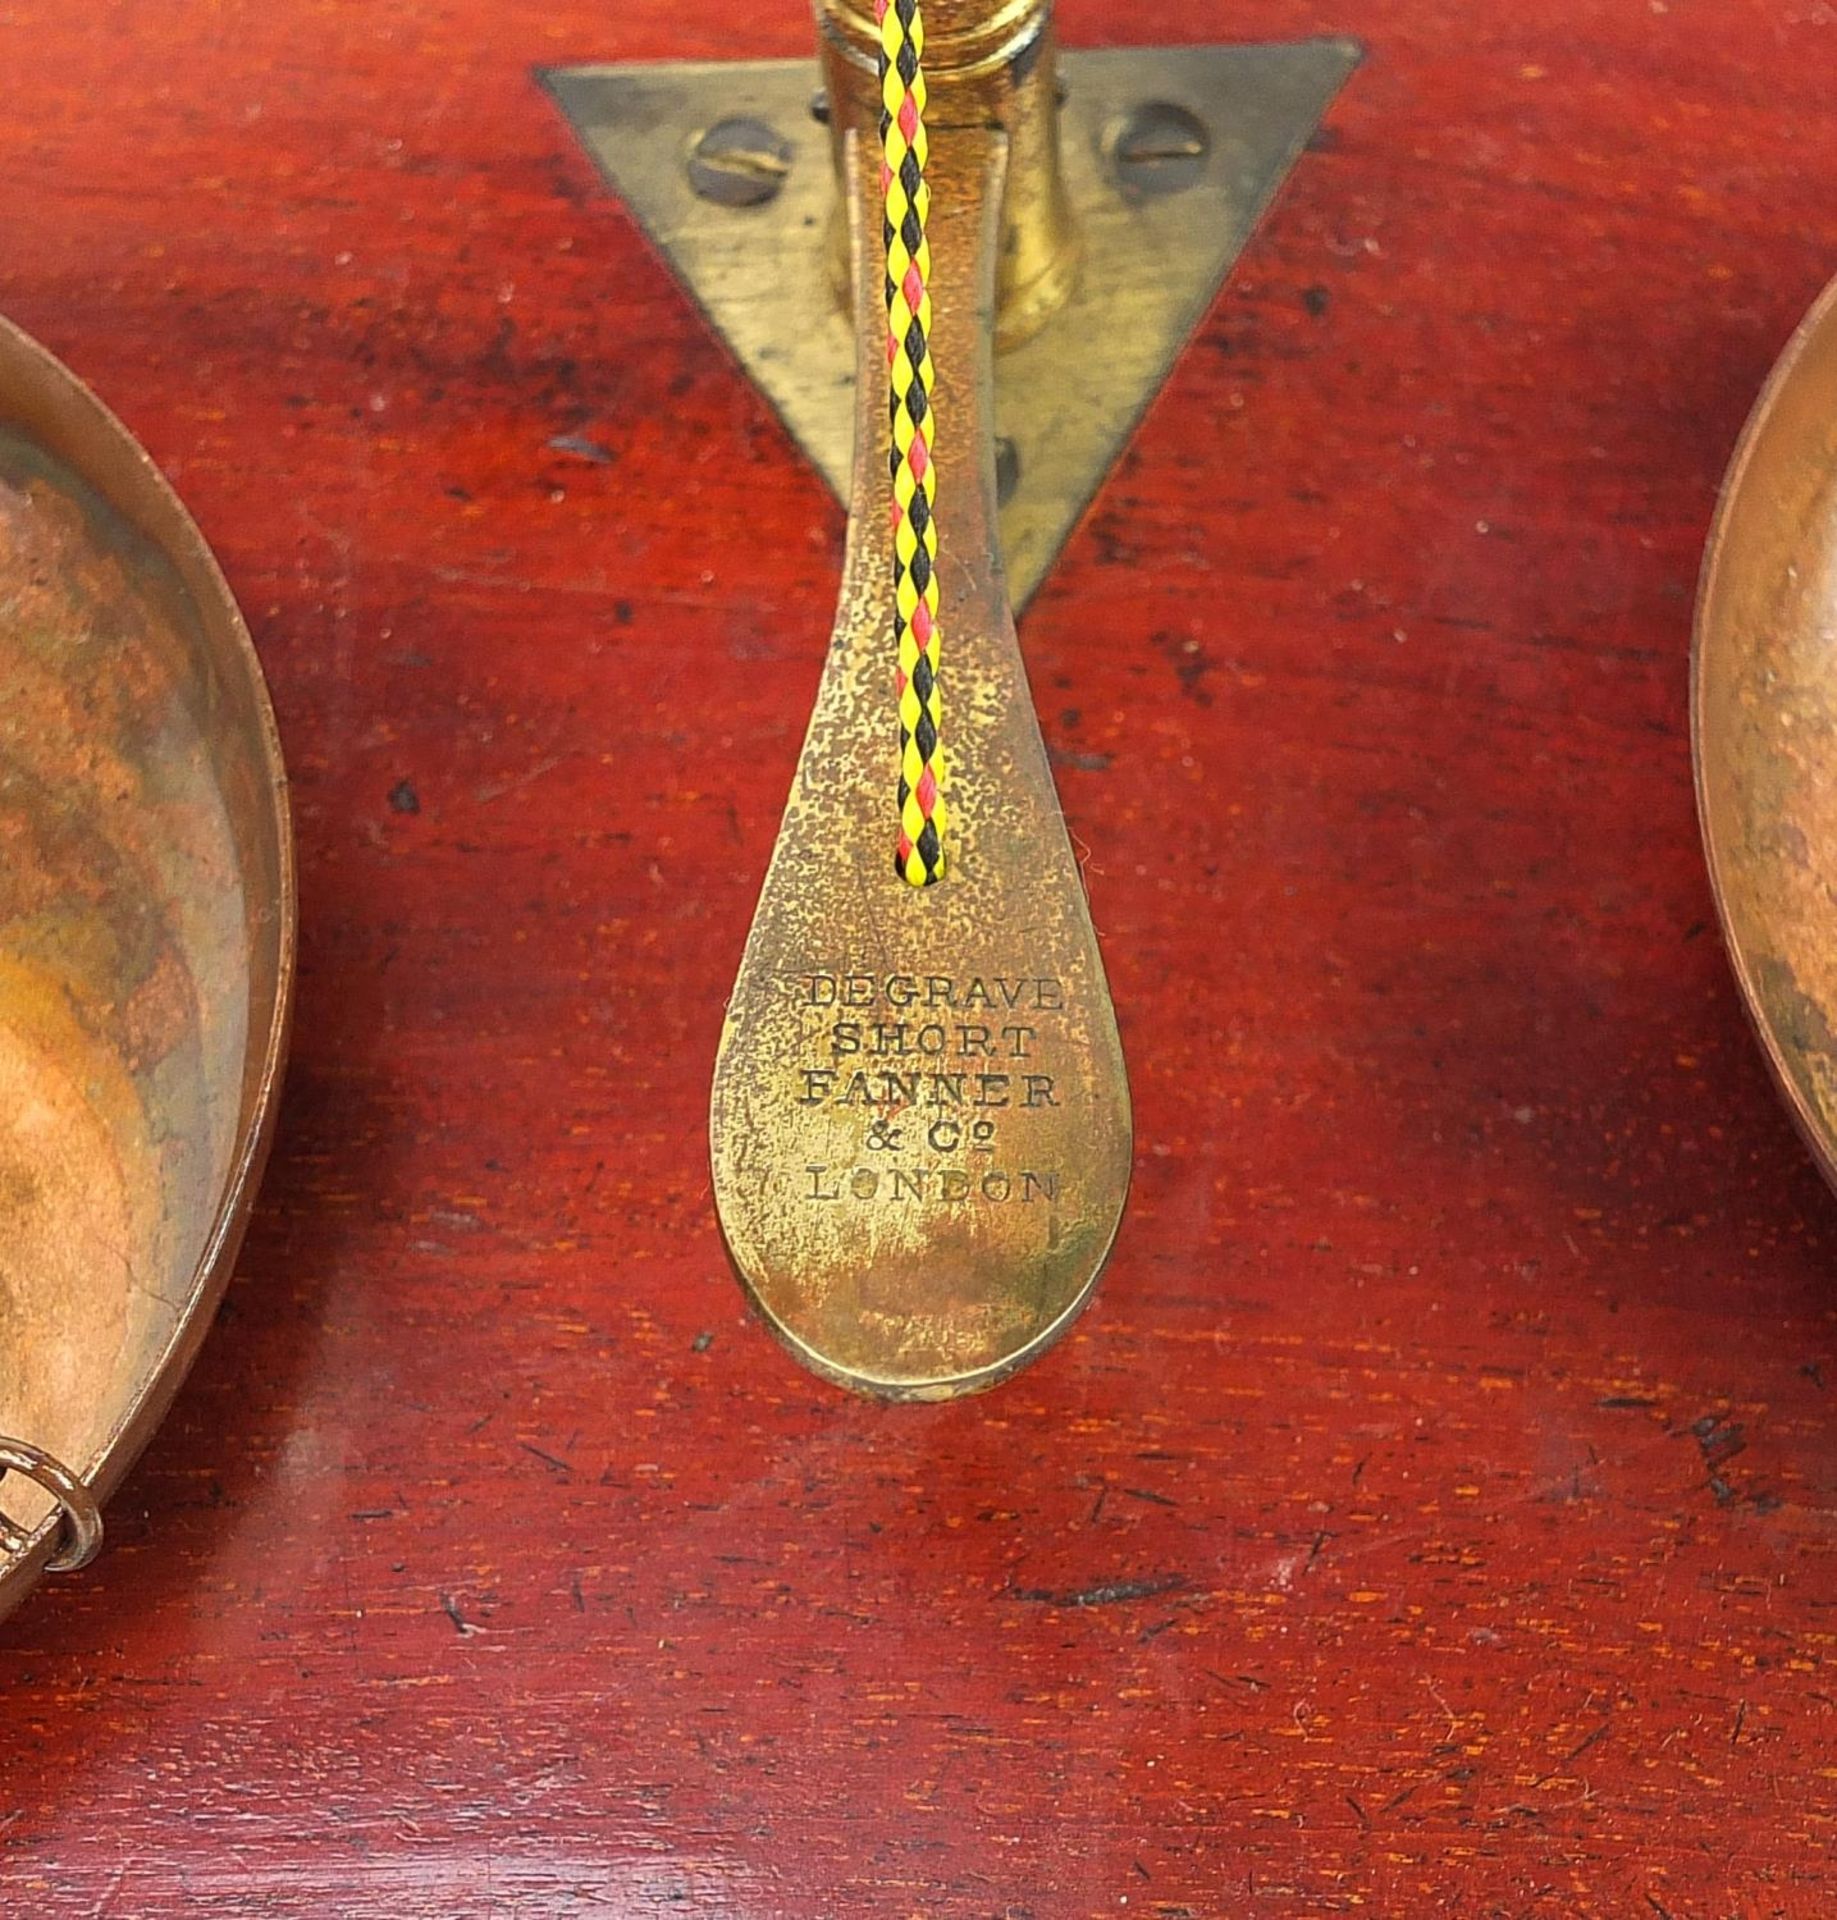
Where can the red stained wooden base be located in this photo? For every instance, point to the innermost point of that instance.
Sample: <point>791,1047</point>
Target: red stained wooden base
<point>1435,1513</point>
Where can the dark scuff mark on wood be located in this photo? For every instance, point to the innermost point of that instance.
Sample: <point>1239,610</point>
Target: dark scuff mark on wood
<point>1107,1593</point>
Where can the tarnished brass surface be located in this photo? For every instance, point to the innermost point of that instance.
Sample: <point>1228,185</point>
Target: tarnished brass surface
<point>1079,361</point>
<point>1764,722</point>
<point>146,950</point>
<point>920,1123</point>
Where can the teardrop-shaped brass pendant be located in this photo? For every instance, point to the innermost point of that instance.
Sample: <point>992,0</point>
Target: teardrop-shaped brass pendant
<point>920,1122</point>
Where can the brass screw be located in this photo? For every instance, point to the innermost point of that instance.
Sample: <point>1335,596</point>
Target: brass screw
<point>740,163</point>
<point>1160,148</point>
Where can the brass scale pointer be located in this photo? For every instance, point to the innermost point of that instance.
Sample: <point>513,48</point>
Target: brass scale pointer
<point>920,1122</point>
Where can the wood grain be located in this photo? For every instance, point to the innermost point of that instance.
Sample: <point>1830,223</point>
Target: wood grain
<point>1435,1513</point>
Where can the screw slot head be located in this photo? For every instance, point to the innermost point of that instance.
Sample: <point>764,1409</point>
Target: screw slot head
<point>740,162</point>
<point>1160,148</point>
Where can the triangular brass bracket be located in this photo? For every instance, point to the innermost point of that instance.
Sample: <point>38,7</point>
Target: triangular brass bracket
<point>1159,233</point>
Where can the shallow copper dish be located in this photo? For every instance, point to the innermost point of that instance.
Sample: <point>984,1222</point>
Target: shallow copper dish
<point>146,952</point>
<point>1764,722</point>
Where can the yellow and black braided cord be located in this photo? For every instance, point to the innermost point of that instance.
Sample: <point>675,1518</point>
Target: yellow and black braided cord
<point>922,812</point>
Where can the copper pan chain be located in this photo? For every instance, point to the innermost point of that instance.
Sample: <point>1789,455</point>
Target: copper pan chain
<point>82,1518</point>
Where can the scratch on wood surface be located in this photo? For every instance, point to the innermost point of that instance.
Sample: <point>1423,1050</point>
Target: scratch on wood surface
<point>1107,1593</point>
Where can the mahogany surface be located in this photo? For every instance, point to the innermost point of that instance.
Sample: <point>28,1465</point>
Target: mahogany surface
<point>1435,1511</point>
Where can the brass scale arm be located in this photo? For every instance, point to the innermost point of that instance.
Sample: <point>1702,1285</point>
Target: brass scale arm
<point>920,1123</point>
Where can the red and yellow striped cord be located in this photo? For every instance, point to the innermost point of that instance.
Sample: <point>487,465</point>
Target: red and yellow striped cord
<point>919,852</point>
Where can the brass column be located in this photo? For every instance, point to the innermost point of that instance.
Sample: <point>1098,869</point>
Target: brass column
<point>989,62</point>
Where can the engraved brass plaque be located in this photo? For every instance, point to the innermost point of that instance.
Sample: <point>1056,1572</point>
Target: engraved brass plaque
<point>920,1123</point>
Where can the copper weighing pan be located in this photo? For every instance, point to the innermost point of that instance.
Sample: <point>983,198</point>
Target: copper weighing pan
<point>146,952</point>
<point>1764,722</point>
